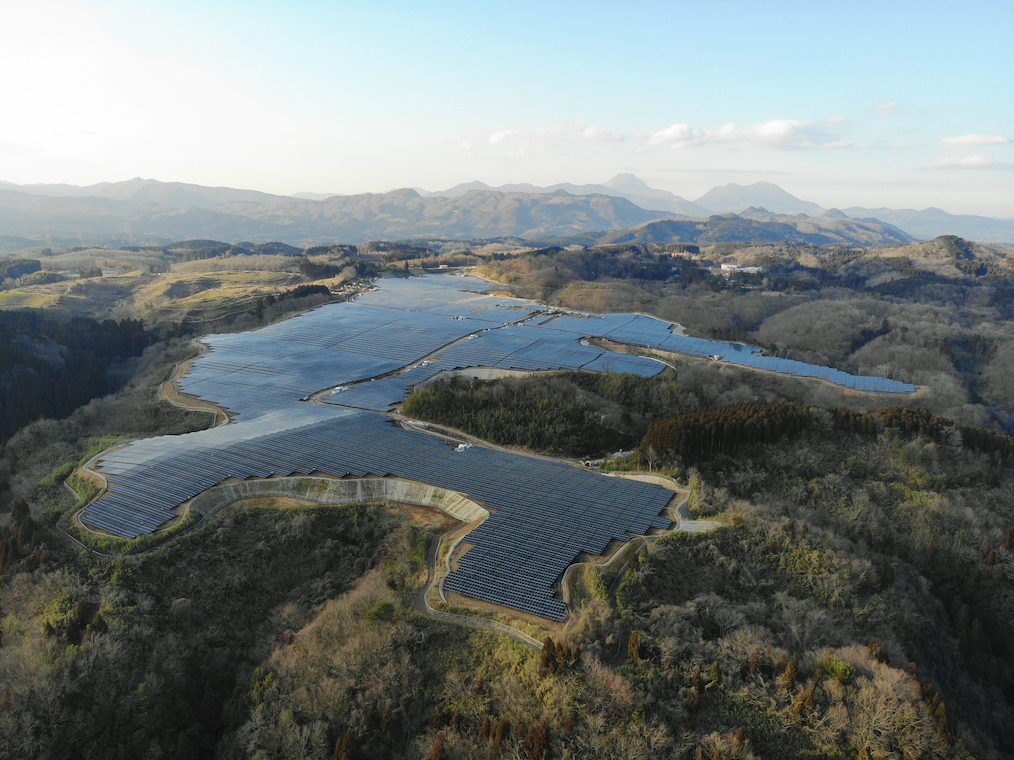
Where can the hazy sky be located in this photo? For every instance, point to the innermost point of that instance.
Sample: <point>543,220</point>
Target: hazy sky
<point>901,104</point>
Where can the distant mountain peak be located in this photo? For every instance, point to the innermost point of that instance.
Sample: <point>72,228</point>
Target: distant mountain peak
<point>402,193</point>
<point>629,183</point>
<point>835,213</point>
<point>462,188</point>
<point>306,195</point>
<point>735,198</point>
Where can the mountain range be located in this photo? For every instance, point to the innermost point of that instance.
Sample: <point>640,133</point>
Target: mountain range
<point>933,222</point>
<point>756,225</point>
<point>140,192</point>
<point>144,209</point>
<point>621,186</point>
<point>397,214</point>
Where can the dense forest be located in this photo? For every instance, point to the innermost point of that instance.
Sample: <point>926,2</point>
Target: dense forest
<point>49,368</point>
<point>198,250</point>
<point>725,429</point>
<point>698,411</point>
<point>536,413</point>
<point>319,270</point>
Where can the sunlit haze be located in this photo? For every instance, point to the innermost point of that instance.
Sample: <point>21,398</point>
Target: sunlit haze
<point>905,105</point>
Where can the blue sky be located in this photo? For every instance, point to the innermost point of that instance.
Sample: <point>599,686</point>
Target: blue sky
<point>874,104</point>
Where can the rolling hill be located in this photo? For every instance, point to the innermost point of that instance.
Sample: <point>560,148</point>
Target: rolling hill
<point>141,192</point>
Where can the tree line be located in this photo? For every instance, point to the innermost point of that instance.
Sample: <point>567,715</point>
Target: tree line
<point>12,270</point>
<point>718,431</point>
<point>585,414</point>
<point>724,429</point>
<point>319,270</point>
<point>538,415</point>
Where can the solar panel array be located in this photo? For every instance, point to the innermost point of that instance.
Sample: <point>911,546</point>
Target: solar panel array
<point>651,333</point>
<point>544,513</point>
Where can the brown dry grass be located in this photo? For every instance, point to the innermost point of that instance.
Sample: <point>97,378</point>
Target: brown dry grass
<point>170,391</point>
<point>533,625</point>
<point>425,517</point>
<point>460,551</point>
<point>273,502</point>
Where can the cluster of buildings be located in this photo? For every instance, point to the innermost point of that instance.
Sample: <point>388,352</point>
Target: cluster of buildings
<point>731,267</point>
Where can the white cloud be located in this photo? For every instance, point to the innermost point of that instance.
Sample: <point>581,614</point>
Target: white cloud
<point>595,133</point>
<point>522,141</point>
<point>678,135</point>
<point>880,145</point>
<point>967,162</point>
<point>784,134</point>
<point>884,109</point>
<point>835,119</point>
<point>949,142</point>
<point>837,144</point>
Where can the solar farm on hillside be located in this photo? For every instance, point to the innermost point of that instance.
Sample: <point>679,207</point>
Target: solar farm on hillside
<point>367,355</point>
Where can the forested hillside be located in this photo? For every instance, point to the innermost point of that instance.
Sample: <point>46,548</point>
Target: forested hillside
<point>50,368</point>
<point>858,600</point>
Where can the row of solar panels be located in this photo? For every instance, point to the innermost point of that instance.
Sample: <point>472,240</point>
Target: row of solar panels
<point>650,333</point>
<point>403,336</point>
<point>545,507</point>
<point>550,608</point>
<point>655,333</point>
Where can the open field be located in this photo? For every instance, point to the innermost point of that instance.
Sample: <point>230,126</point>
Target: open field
<point>27,299</point>
<point>179,294</point>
